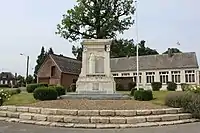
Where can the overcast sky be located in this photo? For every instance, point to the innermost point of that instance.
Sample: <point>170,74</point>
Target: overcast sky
<point>27,25</point>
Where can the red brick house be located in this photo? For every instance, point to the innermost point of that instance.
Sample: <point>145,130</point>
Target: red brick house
<point>57,69</point>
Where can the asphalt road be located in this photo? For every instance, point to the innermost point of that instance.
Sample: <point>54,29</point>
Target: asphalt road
<point>23,128</point>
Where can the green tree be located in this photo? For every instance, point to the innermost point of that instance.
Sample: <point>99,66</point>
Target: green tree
<point>21,81</point>
<point>98,19</point>
<point>30,79</point>
<point>39,61</point>
<point>173,50</point>
<point>50,51</point>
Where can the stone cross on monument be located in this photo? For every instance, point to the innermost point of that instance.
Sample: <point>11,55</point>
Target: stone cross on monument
<point>95,76</point>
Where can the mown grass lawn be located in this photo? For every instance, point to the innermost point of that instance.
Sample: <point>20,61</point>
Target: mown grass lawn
<point>159,96</point>
<point>21,99</point>
<point>25,98</point>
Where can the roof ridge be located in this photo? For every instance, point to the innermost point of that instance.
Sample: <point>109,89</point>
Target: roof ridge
<point>65,57</point>
<point>153,55</point>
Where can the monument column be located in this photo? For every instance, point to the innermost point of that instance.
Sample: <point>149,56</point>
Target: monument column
<point>107,60</point>
<point>84,63</point>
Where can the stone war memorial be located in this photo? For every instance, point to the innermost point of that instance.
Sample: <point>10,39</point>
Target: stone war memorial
<point>95,80</point>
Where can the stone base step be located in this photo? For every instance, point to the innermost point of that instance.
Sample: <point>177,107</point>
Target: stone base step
<point>100,126</point>
<point>95,119</point>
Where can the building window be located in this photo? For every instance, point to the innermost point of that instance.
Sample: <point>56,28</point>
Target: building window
<point>164,77</point>
<point>189,76</point>
<point>176,76</point>
<point>115,74</point>
<point>150,77</point>
<point>53,71</point>
<point>135,77</point>
<point>125,74</point>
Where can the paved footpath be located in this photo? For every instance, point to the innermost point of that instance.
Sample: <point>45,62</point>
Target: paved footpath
<point>23,128</point>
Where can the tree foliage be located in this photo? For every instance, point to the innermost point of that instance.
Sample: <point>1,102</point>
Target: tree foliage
<point>40,60</point>
<point>173,50</point>
<point>30,79</point>
<point>97,19</point>
<point>21,81</point>
<point>121,48</point>
<point>50,51</point>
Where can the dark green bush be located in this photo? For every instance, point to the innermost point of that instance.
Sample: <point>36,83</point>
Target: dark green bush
<point>18,91</point>
<point>119,87</point>
<point>132,91</point>
<point>4,86</point>
<point>45,93</point>
<point>143,95</point>
<point>171,86</point>
<point>31,87</point>
<point>60,90</point>
<point>131,86</point>
<point>156,86</point>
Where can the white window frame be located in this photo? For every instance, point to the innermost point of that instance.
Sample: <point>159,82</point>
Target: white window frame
<point>190,76</point>
<point>150,77</point>
<point>115,74</point>
<point>125,74</point>
<point>135,77</point>
<point>176,76</point>
<point>164,76</point>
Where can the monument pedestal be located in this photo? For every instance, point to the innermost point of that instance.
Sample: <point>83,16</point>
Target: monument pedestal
<point>96,80</point>
<point>96,77</point>
<point>95,84</point>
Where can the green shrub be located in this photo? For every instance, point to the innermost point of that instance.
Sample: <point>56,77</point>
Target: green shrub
<point>31,87</point>
<point>60,90</point>
<point>4,95</point>
<point>171,86</point>
<point>131,86</point>
<point>4,86</point>
<point>45,93</point>
<point>174,99</point>
<point>119,87</point>
<point>18,91</point>
<point>189,101</point>
<point>156,86</point>
<point>184,87</point>
<point>132,91</point>
<point>143,95</point>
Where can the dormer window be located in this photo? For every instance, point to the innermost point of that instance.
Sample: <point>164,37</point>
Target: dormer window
<point>53,71</point>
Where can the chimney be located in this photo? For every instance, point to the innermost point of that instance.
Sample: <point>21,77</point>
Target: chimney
<point>170,54</point>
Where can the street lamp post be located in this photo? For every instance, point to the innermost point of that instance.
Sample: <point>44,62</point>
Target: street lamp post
<point>27,65</point>
<point>137,47</point>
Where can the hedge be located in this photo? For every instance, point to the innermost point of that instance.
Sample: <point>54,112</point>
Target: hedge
<point>156,86</point>
<point>60,90</point>
<point>31,87</point>
<point>143,95</point>
<point>189,101</point>
<point>45,93</point>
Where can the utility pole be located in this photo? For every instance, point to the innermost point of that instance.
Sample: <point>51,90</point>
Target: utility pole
<point>27,66</point>
<point>137,47</point>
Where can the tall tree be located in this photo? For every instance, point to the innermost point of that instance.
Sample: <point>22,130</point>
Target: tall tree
<point>50,51</point>
<point>98,19</point>
<point>39,61</point>
<point>122,48</point>
<point>30,79</point>
<point>173,50</point>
